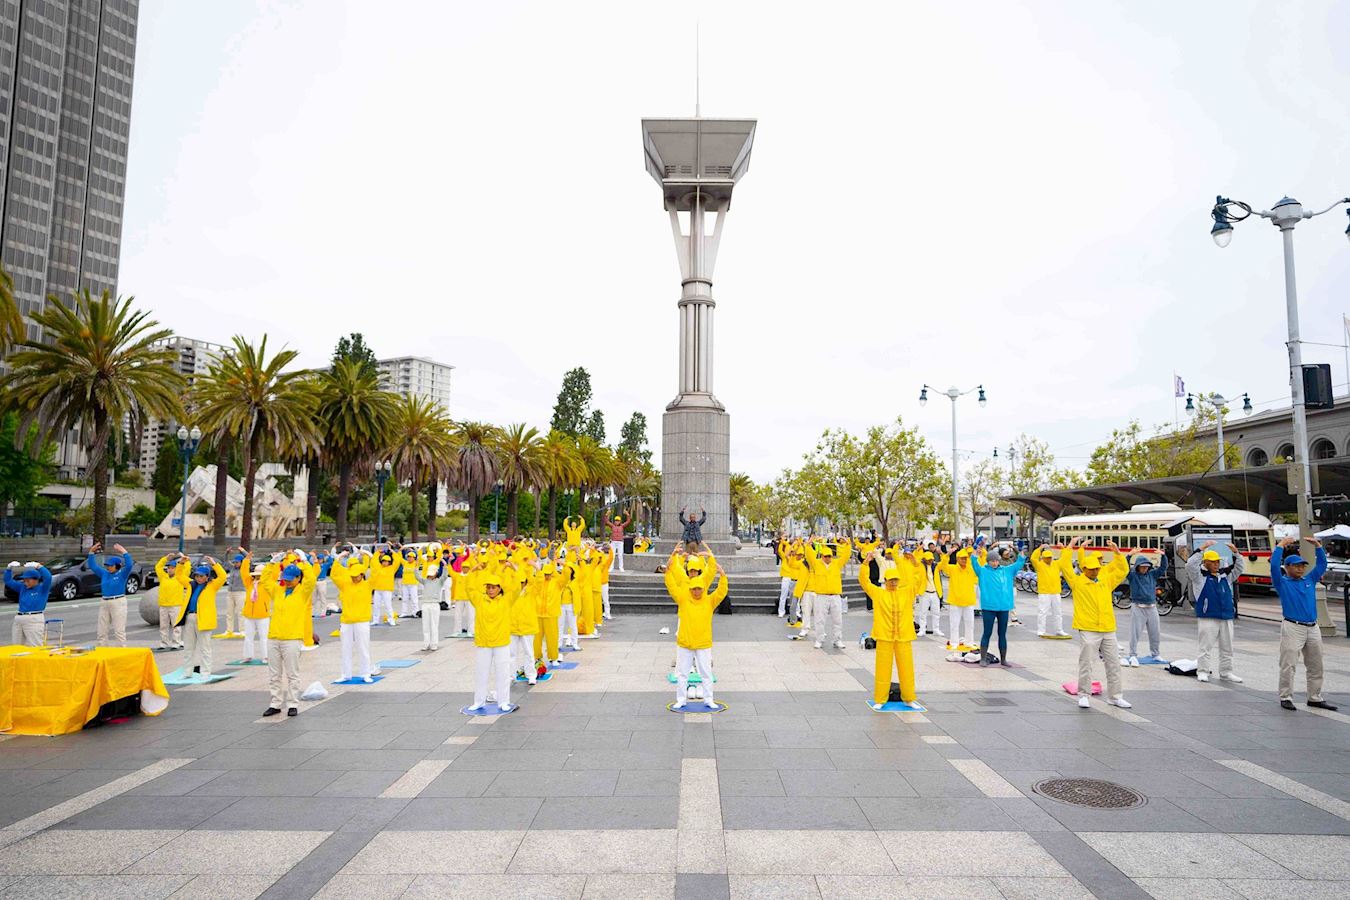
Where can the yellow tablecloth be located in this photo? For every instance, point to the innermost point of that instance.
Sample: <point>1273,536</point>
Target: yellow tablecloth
<point>46,693</point>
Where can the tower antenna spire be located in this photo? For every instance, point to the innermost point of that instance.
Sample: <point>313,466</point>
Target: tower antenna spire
<point>697,76</point>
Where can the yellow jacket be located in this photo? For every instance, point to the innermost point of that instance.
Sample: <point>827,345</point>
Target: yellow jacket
<point>784,569</point>
<point>1049,577</point>
<point>547,594</point>
<point>258,591</point>
<point>409,575</point>
<point>1092,610</point>
<point>356,598</point>
<point>960,583</point>
<point>172,588</point>
<point>524,609</point>
<point>291,609</point>
<point>492,618</point>
<point>206,600</point>
<point>574,533</point>
<point>892,611</point>
<point>382,573</point>
<point>696,632</point>
<point>606,560</point>
<point>827,577</point>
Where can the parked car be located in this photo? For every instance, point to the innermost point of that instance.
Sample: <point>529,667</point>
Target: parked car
<point>72,578</point>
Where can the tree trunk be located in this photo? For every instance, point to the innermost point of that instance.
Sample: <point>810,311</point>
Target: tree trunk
<point>218,520</point>
<point>251,454</point>
<point>344,494</point>
<point>100,524</point>
<point>512,505</point>
<point>312,502</point>
<point>473,518</point>
<point>413,489</point>
<point>431,510</point>
<point>552,512</point>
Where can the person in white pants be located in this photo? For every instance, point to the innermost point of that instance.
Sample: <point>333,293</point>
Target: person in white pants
<point>283,675</point>
<point>567,619</point>
<point>1215,609</point>
<point>829,611</point>
<point>430,585</point>
<point>257,613</point>
<point>1049,587</point>
<point>461,621</point>
<point>928,604</point>
<point>408,592</point>
<point>694,634</point>
<point>32,582</point>
<point>808,612</point>
<point>492,650</point>
<point>354,595</point>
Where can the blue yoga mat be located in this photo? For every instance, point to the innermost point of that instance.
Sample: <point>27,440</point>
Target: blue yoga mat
<point>569,649</point>
<point>565,666</point>
<point>1153,661</point>
<point>358,681</point>
<point>397,663</point>
<point>179,678</point>
<point>545,677</point>
<point>247,662</point>
<point>490,709</point>
<point>897,706</point>
<point>694,678</point>
<point>697,706</point>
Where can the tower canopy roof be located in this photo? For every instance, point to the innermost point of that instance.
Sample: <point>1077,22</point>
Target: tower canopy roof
<point>703,156</point>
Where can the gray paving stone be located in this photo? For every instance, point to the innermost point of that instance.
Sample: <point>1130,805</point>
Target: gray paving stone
<point>456,782</point>
<point>1157,815</point>
<point>359,784</point>
<point>607,812</point>
<point>624,759</point>
<point>250,760</point>
<point>338,740</point>
<point>472,814</point>
<point>72,784</point>
<point>1266,816</point>
<point>148,813</point>
<point>751,783</point>
<point>286,814</point>
<point>851,783</point>
<point>935,814</point>
<point>941,783</point>
<point>1027,815</point>
<point>105,887</point>
<point>801,760</point>
<point>567,783</point>
<point>689,886</point>
<point>1090,868</point>
<point>1235,784</point>
<point>648,783</point>
<point>378,760</point>
<point>309,876</point>
<point>506,760</point>
<point>733,740</point>
<point>917,759</point>
<point>574,740</point>
<point>14,809</point>
<point>291,783</point>
<point>819,740</point>
<point>175,783</point>
<point>793,813</point>
<point>419,740</point>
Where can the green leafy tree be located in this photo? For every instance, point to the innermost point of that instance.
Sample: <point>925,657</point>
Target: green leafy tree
<point>1033,470</point>
<point>574,403</point>
<point>633,437</point>
<point>595,427</point>
<point>741,491</point>
<point>353,349</point>
<point>1130,456</point>
<point>24,468</point>
<point>140,517</point>
<point>398,511</point>
<point>519,450</point>
<point>356,418</point>
<point>475,467</point>
<point>12,329</point>
<point>97,370</point>
<point>422,447</point>
<point>562,469</point>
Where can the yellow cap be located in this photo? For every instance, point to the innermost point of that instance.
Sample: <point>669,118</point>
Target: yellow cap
<point>927,557</point>
<point>1211,555</point>
<point>355,570</point>
<point>1091,561</point>
<point>963,553</point>
<point>892,575</point>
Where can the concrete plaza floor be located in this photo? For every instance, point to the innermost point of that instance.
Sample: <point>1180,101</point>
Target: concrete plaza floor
<point>592,789</point>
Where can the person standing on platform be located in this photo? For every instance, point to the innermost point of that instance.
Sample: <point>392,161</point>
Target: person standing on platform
<point>492,636</point>
<point>112,605</point>
<point>1215,609</point>
<point>431,577</point>
<point>547,588</point>
<point>524,623</point>
<point>1299,633</point>
<point>260,581</point>
<point>616,528</point>
<point>694,633</point>
<point>199,615</point>
<point>291,623</point>
<point>1049,587</point>
<point>33,583</point>
<point>1095,619</point>
<point>1143,581</point>
<point>383,568</point>
<point>407,583</point>
<point>827,574</point>
<point>355,591</point>
<point>996,575</point>
<point>892,627</point>
<point>928,606</point>
<point>236,592</point>
<point>693,529</point>
<point>960,601</point>
<point>175,574</point>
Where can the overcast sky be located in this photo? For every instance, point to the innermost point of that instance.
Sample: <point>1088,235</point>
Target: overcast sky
<point>1013,194</point>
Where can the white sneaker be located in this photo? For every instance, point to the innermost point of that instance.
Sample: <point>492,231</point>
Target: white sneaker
<point>938,634</point>
<point>839,645</point>
<point>1231,676</point>
<point>819,645</point>
<point>507,707</point>
<point>435,647</point>
<point>368,680</point>
<point>804,632</point>
<point>1202,676</point>
<point>678,705</point>
<point>1084,703</point>
<point>1062,633</point>
<point>1119,701</point>
<point>476,707</point>
<point>426,646</point>
<point>1134,661</point>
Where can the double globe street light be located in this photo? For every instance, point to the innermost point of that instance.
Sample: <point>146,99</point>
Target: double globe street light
<point>953,394</point>
<point>1218,402</point>
<point>188,441</point>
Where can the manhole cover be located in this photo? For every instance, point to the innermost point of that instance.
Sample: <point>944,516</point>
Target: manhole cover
<point>1090,792</point>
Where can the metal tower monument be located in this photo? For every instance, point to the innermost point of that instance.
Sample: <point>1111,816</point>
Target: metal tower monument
<point>697,163</point>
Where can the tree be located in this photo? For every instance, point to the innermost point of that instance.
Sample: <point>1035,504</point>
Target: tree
<point>12,330</point>
<point>598,469</point>
<point>141,516</point>
<point>633,437</point>
<point>981,486</point>
<point>475,467</point>
<point>561,469</point>
<point>398,511</point>
<point>521,467</point>
<point>1128,456</point>
<point>595,427</point>
<point>741,490</point>
<point>1033,471</point>
<point>574,401</point>
<point>357,419</point>
<point>24,468</point>
<point>354,349</point>
<point>256,399</point>
<point>421,447</point>
<point>97,368</point>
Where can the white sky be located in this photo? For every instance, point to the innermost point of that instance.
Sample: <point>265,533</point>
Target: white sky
<point>1008,193</point>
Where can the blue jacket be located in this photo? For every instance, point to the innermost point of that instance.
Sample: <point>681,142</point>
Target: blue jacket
<point>112,584</point>
<point>996,585</point>
<point>1298,596</point>
<point>32,599</point>
<point>1144,588</point>
<point>1213,594</point>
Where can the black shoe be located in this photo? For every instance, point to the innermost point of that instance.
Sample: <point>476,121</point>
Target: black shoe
<point>196,670</point>
<point>417,614</point>
<point>292,711</point>
<point>1286,704</point>
<point>1322,704</point>
<point>272,711</point>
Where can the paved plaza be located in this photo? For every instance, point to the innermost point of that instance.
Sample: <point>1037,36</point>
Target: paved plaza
<point>592,789</point>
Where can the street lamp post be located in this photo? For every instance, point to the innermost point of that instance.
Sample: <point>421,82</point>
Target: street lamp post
<point>187,445</point>
<point>955,394</point>
<point>1218,401</point>
<point>382,472</point>
<point>1284,216</point>
<point>1012,468</point>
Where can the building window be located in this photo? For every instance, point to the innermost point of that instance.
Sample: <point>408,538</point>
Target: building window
<point>1285,453</point>
<point>1256,457</point>
<point>1323,449</point>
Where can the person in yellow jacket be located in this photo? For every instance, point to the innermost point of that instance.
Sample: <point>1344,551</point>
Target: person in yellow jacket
<point>694,635</point>
<point>892,627</point>
<point>524,624</point>
<point>175,574</point>
<point>642,545</point>
<point>290,629</point>
<point>928,593</point>
<point>1095,618</point>
<point>960,601</point>
<point>407,582</point>
<point>492,637</point>
<point>578,560</point>
<point>782,548</point>
<point>573,526</point>
<point>1049,585</point>
<point>198,618</point>
<point>260,582</point>
<point>827,585</point>
<point>355,596</point>
<point>607,554</point>
<point>383,571</point>
<point>547,589</point>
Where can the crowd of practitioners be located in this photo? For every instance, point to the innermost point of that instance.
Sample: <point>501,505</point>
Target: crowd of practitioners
<point>523,602</point>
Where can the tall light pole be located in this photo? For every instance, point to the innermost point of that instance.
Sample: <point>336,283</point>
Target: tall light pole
<point>1012,468</point>
<point>383,470</point>
<point>1284,216</point>
<point>188,442</point>
<point>955,394</point>
<point>1218,402</point>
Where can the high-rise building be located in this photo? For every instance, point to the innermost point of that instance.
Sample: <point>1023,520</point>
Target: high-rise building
<point>65,113</point>
<point>416,376</point>
<point>194,358</point>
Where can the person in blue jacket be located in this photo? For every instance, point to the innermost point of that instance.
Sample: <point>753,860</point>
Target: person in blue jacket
<point>1143,582</point>
<point>1299,633</point>
<point>112,607</point>
<point>1215,610</point>
<point>995,576</point>
<point>33,583</point>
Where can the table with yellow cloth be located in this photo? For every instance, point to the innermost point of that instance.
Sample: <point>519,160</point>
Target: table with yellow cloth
<point>48,692</point>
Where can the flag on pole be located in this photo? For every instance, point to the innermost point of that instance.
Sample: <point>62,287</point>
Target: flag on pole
<point>1179,386</point>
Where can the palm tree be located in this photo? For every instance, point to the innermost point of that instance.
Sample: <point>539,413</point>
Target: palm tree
<point>597,465</point>
<point>522,467</point>
<point>475,466</point>
<point>741,489</point>
<point>12,330</point>
<point>96,369</point>
<point>561,469</point>
<point>356,419</point>
<point>255,398</point>
<point>421,447</point>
